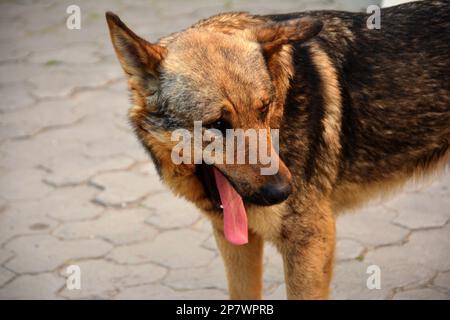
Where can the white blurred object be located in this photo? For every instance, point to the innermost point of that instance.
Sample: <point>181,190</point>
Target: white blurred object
<point>390,3</point>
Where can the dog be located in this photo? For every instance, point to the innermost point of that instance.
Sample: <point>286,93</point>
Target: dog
<point>360,111</point>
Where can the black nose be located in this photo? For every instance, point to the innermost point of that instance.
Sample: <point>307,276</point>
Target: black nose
<point>273,192</point>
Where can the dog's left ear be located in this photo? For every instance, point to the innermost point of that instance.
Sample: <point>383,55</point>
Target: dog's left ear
<point>274,35</point>
<point>139,58</point>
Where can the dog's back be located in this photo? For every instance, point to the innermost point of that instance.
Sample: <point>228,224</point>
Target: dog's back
<point>394,94</point>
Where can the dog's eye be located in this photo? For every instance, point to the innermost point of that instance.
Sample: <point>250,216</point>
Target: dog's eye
<point>265,105</point>
<point>220,125</point>
<point>265,108</point>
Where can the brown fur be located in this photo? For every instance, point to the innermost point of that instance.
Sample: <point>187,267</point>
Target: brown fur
<point>352,123</point>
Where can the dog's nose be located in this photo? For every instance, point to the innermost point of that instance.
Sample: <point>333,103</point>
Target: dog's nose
<point>276,193</point>
<point>273,193</point>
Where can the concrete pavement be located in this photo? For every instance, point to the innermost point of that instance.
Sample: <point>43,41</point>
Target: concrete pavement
<point>77,189</point>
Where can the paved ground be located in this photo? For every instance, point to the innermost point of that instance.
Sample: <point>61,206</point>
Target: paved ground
<point>77,189</point>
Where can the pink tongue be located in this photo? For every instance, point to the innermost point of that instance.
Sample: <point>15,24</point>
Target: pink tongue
<point>234,214</point>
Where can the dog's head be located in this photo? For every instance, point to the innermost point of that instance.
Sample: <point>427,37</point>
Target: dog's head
<point>229,72</point>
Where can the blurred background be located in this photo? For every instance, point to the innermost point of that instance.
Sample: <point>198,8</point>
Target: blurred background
<point>77,189</point>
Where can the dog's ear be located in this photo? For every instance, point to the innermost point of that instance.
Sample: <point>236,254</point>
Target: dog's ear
<point>274,35</point>
<point>138,57</point>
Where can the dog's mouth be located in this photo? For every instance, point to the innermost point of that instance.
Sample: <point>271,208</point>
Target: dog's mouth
<point>206,175</point>
<point>225,198</point>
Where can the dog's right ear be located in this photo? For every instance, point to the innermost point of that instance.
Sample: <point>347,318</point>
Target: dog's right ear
<point>274,35</point>
<point>138,57</point>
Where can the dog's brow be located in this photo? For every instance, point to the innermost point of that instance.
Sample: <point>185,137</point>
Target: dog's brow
<point>211,114</point>
<point>228,103</point>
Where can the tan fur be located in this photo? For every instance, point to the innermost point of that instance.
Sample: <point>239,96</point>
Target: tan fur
<point>266,221</point>
<point>333,107</point>
<point>243,265</point>
<point>307,246</point>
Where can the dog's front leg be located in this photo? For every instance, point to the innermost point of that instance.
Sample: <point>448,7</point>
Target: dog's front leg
<point>307,245</point>
<point>243,265</point>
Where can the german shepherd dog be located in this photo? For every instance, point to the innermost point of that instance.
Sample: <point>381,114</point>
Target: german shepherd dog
<point>359,112</point>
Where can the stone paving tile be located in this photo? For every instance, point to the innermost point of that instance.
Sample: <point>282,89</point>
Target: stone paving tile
<point>117,226</point>
<point>398,275</point>
<point>40,253</point>
<point>421,294</point>
<point>210,243</point>
<point>417,211</point>
<point>23,220</point>
<point>5,276</point>
<point>104,279</point>
<point>87,130</point>
<point>121,188</point>
<point>27,122</point>
<point>443,280</point>
<point>160,292</point>
<point>69,204</point>
<point>16,74</point>
<point>82,53</point>
<point>437,187</point>
<point>350,279</point>
<point>147,168</point>
<point>35,25</point>
<point>174,249</point>
<point>5,255</point>
<point>64,81</point>
<point>278,294</point>
<point>273,268</point>
<point>354,226</point>
<point>170,212</point>
<point>14,98</point>
<point>349,282</point>
<point>348,249</point>
<point>28,154</point>
<point>79,170</point>
<point>43,285</point>
<point>424,248</point>
<point>210,276</point>
<point>23,184</point>
<point>102,102</point>
<point>105,148</point>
